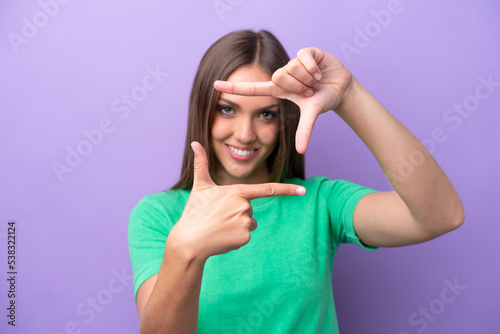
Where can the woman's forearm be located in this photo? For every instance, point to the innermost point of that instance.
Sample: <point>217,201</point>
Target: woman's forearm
<point>411,169</point>
<point>174,301</point>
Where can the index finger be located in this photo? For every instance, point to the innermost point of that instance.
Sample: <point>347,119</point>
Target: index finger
<point>252,191</point>
<point>245,88</point>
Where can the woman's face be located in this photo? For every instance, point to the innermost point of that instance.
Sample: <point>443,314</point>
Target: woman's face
<point>244,131</point>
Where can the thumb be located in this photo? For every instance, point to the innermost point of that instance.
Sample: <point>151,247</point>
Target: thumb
<point>201,177</point>
<point>304,130</point>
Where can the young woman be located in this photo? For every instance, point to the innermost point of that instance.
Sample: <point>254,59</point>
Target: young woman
<point>201,264</point>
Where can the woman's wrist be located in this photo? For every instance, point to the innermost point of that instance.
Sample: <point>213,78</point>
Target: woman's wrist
<point>350,97</point>
<point>183,251</point>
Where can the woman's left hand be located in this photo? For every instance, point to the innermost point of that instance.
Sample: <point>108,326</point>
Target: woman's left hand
<point>314,80</point>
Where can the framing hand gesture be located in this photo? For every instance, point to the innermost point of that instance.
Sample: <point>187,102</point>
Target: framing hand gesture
<point>218,219</point>
<point>314,80</point>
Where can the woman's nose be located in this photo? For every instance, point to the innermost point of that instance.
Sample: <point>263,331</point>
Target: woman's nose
<point>244,131</point>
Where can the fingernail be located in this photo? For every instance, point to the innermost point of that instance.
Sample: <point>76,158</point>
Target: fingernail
<point>309,92</point>
<point>317,85</point>
<point>317,76</point>
<point>192,147</point>
<point>301,191</point>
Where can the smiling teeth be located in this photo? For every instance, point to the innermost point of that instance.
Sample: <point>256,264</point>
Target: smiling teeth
<point>239,152</point>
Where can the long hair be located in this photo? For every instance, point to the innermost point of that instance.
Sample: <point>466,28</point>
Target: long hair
<point>236,49</point>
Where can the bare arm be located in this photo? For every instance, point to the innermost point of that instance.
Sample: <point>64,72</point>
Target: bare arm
<point>168,302</point>
<point>424,204</point>
<point>215,220</point>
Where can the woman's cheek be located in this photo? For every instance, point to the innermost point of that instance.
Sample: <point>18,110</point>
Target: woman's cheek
<point>219,127</point>
<point>270,134</point>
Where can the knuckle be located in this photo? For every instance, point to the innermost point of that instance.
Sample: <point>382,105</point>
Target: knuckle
<point>253,89</point>
<point>300,88</point>
<point>270,190</point>
<point>285,191</point>
<point>245,206</point>
<point>278,77</point>
<point>288,190</point>
<point>293,66</point>
<point>247,222</point>
<point>289,68</point>
<point>229,198</point>
<point>303,52</point>
<point>239,190</point>
<point>199,165</point>
<point>231,88</point>
<point>245,238</point>
<point>310,81</point>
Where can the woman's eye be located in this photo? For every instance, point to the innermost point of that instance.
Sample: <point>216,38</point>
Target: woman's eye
<point>269,115</point>
<point>225,110</point>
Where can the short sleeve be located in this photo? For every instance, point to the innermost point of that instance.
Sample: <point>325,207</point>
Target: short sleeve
<point>341,198</point>
<point>148,229</point>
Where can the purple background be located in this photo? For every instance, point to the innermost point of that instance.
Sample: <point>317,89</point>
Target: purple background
<point>63,77</point>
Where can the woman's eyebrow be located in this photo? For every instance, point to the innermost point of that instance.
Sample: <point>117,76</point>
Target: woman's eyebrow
<point>269,107</point>
<point>231,103</point>
<point>235,105</point>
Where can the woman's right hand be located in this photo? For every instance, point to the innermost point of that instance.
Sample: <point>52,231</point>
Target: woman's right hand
<point>218,219</point>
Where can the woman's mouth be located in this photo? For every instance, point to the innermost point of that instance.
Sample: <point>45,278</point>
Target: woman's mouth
<point>241,155</point>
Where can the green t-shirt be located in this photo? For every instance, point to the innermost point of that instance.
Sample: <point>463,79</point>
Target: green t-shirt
<point>280,282</point>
